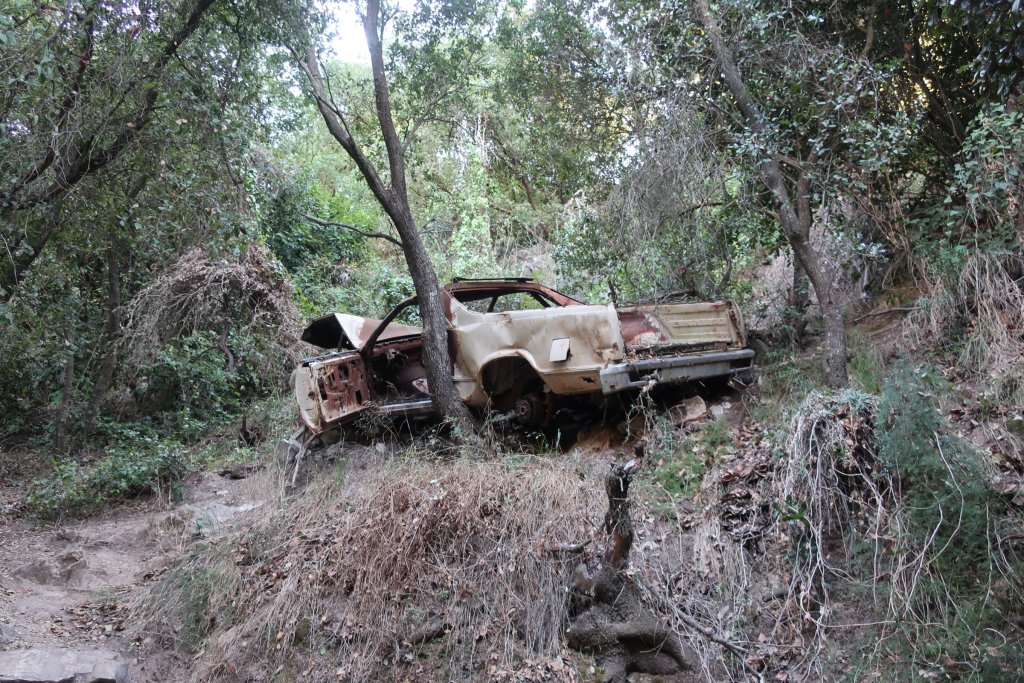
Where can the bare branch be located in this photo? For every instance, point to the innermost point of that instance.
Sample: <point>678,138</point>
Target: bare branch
<point>310,66</point>
<point>396,159</point>
<point>353,228</point>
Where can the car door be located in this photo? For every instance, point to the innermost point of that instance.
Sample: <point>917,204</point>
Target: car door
<point>331,390</point>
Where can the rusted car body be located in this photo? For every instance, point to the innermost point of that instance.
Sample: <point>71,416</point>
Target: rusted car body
<point>516,345</point>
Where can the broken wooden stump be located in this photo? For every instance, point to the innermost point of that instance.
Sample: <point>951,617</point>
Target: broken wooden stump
<point>613,624</point>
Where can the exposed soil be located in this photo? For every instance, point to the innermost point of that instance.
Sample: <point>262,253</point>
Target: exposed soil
<point>70,585</point>
<point>67,585</point>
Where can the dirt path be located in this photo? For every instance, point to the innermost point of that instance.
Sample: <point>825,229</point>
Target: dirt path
<point>66,585</point>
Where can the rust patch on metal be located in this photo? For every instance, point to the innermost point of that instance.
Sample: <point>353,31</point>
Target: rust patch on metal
<point>342,388</point>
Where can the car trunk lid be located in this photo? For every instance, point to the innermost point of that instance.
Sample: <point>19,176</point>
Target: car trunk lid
<point>344,331</point>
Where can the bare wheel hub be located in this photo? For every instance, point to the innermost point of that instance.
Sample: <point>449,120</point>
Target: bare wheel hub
<point>529,409</point>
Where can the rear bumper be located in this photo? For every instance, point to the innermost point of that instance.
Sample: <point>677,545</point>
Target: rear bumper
<point>638,374</point>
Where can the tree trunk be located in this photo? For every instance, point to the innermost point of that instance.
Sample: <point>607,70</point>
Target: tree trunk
<point>110,334</point>
<point>436,357</point>
<point>799,300</point>
<point>60,440</point>
<point>796,226</point>
<point>394,200</point>
<point>835,351</point>
<point>112,328</point>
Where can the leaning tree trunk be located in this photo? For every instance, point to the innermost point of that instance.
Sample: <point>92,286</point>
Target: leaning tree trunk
<point>612,623</point>
<point>794,213</point>
<point>394,199</point>
<point>835,351</point>
<point>436,358</point>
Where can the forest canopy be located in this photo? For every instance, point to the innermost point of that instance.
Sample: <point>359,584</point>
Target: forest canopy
<point>635,148</point>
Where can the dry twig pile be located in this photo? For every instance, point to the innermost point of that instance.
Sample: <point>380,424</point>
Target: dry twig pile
<point>452,559</point>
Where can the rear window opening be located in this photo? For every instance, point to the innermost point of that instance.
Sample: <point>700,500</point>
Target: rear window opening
<point>504,302</point>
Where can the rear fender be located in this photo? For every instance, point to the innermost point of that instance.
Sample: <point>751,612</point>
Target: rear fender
<point>504,378</point>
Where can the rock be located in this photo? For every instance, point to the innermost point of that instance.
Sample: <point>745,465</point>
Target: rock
<point>8,634</point>
<point>200,519</point>
<point>635,427</point>
<point>213,516</point>
<point>58,571</point>
<point>54,665</point>
<point>69,536</point>
<point>690,410</point>
<point>717,411</point>
<point>594,439</point>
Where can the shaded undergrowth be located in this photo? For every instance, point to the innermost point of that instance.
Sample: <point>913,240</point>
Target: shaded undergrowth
<point>141,461</point>
<point>872,525</point>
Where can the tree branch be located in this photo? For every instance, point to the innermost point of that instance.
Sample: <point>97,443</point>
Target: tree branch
<point>353,228</point>
<point>337,127</point>
<point>396,160</point>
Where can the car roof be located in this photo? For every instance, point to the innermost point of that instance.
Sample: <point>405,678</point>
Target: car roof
<point>495,286</point>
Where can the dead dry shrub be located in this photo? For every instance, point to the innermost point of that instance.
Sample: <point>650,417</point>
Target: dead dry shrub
<point>453,558</point>
<point>245,292</point>
<point>871,527</point>
<point>982,308</point>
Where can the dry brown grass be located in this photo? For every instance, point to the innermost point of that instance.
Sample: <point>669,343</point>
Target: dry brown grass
<point>804,559</point>
<point>341,583</point>
<point>199,291</point>
<point>986,302</point>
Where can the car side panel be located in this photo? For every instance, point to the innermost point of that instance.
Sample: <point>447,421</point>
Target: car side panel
<point>566,346</point>
<point>331,390</point>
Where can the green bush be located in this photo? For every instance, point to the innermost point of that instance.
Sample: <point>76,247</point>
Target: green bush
<point>956,609</point>
<point>683,460</point>
<point>866,369</point>
<point>72,489</point>
<point>944,489</point>
<point>786,377</point>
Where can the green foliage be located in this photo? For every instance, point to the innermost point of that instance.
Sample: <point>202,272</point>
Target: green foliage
<point>682,460</point>
<point>114,160</point>
<point>945,490</point>
<point>152,465</point>
<point>867,371</point>
<point>990,180</point>
<point>558,95</point>
<point>301,244</point>
<point>370,288</point>
<point>189,597</point>
<point>192,380</point>
<point>954,609</point>
<point>982,202</point>
<point>786,377</point>
<point>472,251</point>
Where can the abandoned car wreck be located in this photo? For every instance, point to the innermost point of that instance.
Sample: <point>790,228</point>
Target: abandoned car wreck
<point>516,346</point>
